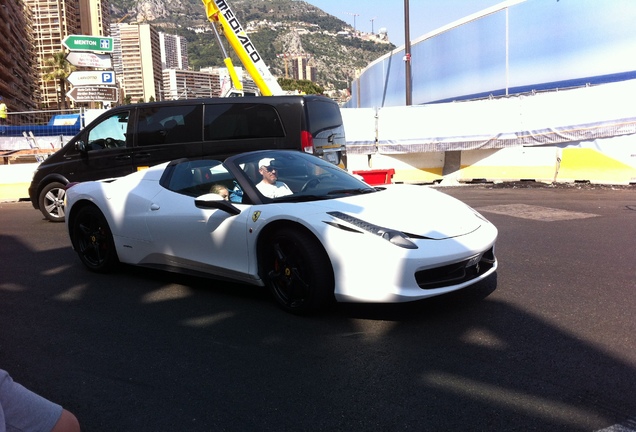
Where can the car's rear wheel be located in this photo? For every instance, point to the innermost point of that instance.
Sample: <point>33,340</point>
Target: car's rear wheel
<point>93,240</point>
<point>297,271</point>
<point>51,201</point>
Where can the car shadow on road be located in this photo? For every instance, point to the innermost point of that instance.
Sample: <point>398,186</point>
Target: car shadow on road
<point>149,350</point>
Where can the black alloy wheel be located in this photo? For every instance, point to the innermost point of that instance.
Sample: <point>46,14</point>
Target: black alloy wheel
<point>298,271</point>
<point>93,240</point>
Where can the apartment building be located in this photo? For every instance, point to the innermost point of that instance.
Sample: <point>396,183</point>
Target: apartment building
<point>301,68</point>
<point>208,82</point>
<point>53,21</point>
<point>187,84</point>
<point>137,61</point>
<point>18,80</point>
<point>94,17</point>
<point>174,51</point>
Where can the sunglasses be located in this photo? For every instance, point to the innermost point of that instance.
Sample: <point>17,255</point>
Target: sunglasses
<point>270,168</point>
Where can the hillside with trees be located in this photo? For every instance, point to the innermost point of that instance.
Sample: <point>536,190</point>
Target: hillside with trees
<point>278,28</point>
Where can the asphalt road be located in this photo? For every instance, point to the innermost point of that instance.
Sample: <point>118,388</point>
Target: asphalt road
<point>547,345</point>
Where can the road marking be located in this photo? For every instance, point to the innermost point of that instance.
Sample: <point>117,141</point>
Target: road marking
<point>545,214</point>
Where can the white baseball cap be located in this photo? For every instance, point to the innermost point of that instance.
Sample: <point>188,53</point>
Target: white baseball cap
<point>265,162</point>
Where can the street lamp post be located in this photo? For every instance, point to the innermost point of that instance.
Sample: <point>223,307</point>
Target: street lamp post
<point>407,54</point>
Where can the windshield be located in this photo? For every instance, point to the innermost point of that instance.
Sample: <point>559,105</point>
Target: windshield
<point>296,176</point>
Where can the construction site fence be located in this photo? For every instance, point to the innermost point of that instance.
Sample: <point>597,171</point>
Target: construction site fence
<point>585,134</point>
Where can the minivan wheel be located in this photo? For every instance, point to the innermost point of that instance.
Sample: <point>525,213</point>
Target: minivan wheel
<point>51,201</point>
<point>297,271</point>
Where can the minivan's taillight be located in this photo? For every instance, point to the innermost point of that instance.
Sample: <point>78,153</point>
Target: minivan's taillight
<point>307,142</point>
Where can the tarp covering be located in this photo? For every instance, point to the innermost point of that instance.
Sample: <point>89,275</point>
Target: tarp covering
<point>360,129</point>
<point>41,142</point>
<point>582,114</point>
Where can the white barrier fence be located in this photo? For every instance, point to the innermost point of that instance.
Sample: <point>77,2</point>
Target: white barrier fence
<point>585,134</point>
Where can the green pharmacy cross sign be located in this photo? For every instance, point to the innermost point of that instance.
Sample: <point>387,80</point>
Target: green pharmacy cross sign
<point>89,43</point>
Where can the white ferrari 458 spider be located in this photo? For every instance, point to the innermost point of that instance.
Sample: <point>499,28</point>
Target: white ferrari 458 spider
<point>292,222</point>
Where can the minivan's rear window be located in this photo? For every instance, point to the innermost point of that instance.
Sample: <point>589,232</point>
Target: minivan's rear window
<point>240,121</point>
<point>323,115</point>
<point>169,125</point>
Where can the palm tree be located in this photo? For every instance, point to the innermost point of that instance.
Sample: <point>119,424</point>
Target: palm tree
<point>57,68</point>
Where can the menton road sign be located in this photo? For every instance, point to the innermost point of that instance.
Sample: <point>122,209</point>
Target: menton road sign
<point>88,43</point>
<point>79,78</point>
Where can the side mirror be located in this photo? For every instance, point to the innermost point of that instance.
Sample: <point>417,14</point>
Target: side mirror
<point>80,145</point>
<point>216,201</point>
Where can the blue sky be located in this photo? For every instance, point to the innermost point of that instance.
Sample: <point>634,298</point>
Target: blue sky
<point>425,15</point>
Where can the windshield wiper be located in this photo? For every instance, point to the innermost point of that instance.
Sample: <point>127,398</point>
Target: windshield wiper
<point>352,191</point>
<point>300,198</point>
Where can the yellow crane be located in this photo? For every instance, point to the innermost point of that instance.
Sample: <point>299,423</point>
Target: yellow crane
<point>119,21</point>
<point>224,19</point>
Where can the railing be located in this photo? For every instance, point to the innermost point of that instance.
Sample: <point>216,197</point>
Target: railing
<point>39,130</point>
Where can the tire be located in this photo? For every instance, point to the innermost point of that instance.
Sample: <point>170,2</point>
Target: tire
<point>297,271</point>
<point>93,240</point>
<point>51,201</point>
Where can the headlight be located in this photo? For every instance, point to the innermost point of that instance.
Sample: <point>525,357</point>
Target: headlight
<point>396,237</point>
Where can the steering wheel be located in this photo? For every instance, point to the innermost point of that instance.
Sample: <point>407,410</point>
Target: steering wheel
<point>109,143</point>
<point>310,184</point>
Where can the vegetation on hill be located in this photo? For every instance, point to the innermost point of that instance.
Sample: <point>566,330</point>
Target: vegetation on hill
<point>277,28</point>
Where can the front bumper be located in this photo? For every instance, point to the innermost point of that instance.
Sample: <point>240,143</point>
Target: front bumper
<point>370,269</point>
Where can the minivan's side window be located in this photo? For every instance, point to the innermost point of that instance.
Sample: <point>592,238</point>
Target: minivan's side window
<point>109,133</point>
<point>169,125</point>
<point>240,121</point>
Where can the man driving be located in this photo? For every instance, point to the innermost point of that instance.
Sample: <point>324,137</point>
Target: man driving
<point>270,186</point>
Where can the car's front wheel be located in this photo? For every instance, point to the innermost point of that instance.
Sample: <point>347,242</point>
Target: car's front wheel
<point>93,240</point>
<point>297,271</point>
<point>51,201</point>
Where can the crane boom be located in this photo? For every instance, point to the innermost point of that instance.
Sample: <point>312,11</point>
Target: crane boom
<point>219,11</point>
<point>236,82</point>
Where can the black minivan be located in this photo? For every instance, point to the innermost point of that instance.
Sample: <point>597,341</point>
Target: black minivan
<point>133,137</point>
